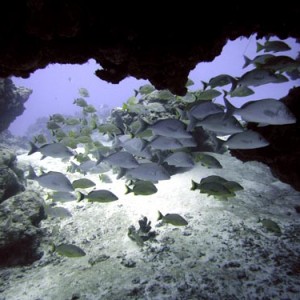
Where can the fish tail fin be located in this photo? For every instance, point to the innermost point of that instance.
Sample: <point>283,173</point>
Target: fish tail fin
<point>121,173</point>
<point>128,189</point>
<point>259,47</point>
<point>205,85</point>
<point>31,174</point>
<point>143,126</point>
<point>194,185</point>
<point>234,84</point>
<point>144,146</point>
<point>100,158</point>
<point>230,109</point>
<point>220,145</point>
<point>160,216</point>
<point>181,114</point>
<point>192,123</point>
<point>80,196</point>
<point>33,148</point>
<point>116,142</point>
<point>157,156</point>
<point>247,62</point>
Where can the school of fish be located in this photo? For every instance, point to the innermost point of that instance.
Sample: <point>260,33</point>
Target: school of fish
<point>152,137</point>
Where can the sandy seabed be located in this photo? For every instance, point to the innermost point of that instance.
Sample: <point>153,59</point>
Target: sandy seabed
<point>224,252</point>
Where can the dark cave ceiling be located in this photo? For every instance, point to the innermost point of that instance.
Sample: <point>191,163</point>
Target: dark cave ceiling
<point>146,42</point>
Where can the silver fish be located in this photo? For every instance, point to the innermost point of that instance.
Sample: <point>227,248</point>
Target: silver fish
<point>80,102</point>
<point>246,140</point>
<point>180,159</point>
<point>69,250</point>
<point>83,92</point>
<point>83,183</point>
<point>105,178</point>
<point>62,196</point>
<point>170,128</point>
<point>233,186</point>
<point>190,142</point>
<point>204,109</point>
<point>148,172</point>
<point>142,187</point>
<point>165,143</point>
<point>56,150</point>
<point>218,123</point>
<point>52,180</point>
<point>99,196</point>
<point>216,189</point>
<point>146,89</point>
<point>273,46</point>
<point>259,59</point>
<point>281,64</point>
<point>57,212</point>
<point>138,147</point>
<point>240,91</point>
<point>207,94</point>
<point>201,111</point>
<point>220,80</point>
<point>266,111</point>
<point>58,118</point>
<point>207,160</point>
<point>91,166</point>
<point>173,219</point>
<point>120,159</point>
<point>259,77</point>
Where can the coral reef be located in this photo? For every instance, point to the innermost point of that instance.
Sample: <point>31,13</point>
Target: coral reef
<point>20,216</point>
<point>12,101</point>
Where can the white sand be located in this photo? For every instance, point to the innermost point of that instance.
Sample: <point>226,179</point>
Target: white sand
<point>224,252</point>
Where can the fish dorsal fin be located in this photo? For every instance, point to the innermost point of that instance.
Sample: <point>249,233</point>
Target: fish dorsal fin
<point>230,109</point>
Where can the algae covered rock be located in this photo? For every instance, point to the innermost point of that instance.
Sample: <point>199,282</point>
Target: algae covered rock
<point>10,175</point>
<point>20,216</point>
<point>9,183</point>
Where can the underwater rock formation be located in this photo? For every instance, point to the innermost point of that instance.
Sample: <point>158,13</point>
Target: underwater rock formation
<point>7,157</point>
<point>162,48</point>
<point>12,101</point>
<point>9,184</point>
<point>14,143</point>
<point>20,216</point>
<point>283,153</point>
<point>150,43</point>
<point>10,175</point>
